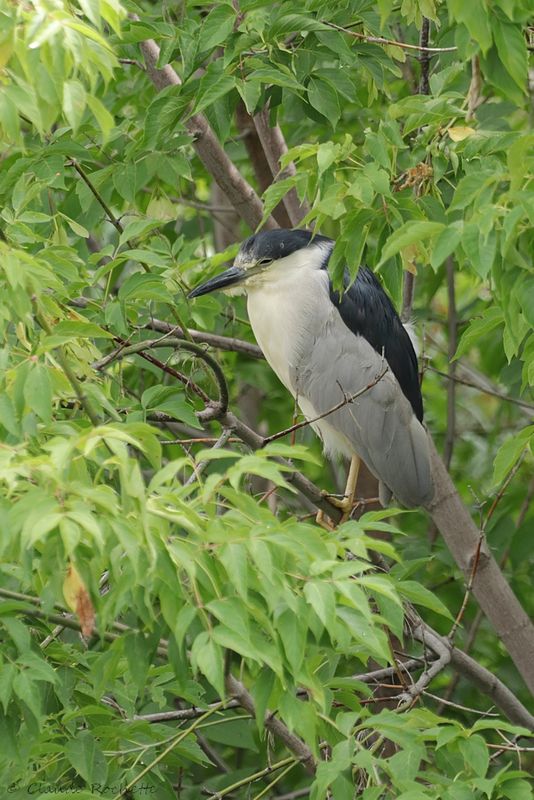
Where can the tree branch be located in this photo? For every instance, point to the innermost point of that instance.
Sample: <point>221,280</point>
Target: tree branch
<point>424,58</point>
<point>273,724</point>
<point>490,587</point>
<point>274,147</point>
<point>346,401</point>
<point>452,323</point>
<point>220,342</point>
<point>380,40</point>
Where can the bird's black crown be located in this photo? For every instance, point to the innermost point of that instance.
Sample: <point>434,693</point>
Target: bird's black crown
<point>279,243</point>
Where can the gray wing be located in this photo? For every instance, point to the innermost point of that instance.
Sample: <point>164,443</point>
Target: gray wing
<point>379,425</point>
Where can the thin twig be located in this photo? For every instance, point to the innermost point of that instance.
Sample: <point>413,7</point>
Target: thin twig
<point>199,468</point>
<point>452,322</point>
<point>476,559</point>
<point>155,761</point>
<point>213,409</point>
<point>346,400</point>
<point>256,776</point>
<point>220,342</point>
<point>381,40</point>
<point>484,389</point>
<point>109,213</point>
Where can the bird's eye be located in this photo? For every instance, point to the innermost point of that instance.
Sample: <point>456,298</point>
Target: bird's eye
<point>264,262</point>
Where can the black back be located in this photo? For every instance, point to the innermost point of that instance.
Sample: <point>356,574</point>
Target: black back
<point>367,311</point>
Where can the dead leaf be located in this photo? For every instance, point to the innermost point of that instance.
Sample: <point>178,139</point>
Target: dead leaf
<point>460,132</point>
<point>78,599</point>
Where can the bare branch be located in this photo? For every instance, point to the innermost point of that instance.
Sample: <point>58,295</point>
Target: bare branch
<point>346,400</point>
<point>199,468</point>
<point>452,323</point>
<point>220,342</point>
<point>273,724</point>
<point>213,410</point>
<point>424,58</point>
<point>489,684</point>
<point>380,40</point>
<point>490,587</point>
<point>484,389</point>
<point>274,147</point>
<point>443,651</point>
<point>408,289</point>
<point>85,178</point>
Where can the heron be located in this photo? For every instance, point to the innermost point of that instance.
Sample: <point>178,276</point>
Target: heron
<point>345,356</point>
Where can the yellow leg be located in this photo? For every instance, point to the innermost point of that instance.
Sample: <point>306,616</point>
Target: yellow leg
<point>347,503</point>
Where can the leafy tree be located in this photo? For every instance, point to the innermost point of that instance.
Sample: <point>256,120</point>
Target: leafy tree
<point>174,623</point>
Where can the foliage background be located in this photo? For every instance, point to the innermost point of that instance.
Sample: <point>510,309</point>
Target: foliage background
<point>108,217</point>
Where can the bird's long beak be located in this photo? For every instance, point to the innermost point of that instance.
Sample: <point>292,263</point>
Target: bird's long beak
<point>229,277</point>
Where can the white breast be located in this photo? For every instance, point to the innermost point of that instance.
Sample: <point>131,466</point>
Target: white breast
<point>282,309</point>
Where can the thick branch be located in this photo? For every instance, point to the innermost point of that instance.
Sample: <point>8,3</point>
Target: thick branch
<point>258,160</point>
<point>424,58</point>
<point>274,147</point>
<point>238,191</point>
<point>490,587</point>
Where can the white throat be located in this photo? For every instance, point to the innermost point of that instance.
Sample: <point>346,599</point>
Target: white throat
<point>283,302</point>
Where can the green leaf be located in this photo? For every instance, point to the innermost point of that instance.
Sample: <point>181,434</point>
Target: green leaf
<point>320,595</point>
<point>509,453</point>
<point>410,233</point>
<point>213,85</point>
<point>232,640</point>
<point>445,244</point>
<point>7,675</point>
<point>141,286</point>
<point>79,329</point>
<point>274,194</point>
<point>421,596</point>
<point>74,101</point>
<point>178,408</point>
<point>18,632</point>
<point>292,630</point>
<point>75,227</point>
<point>475,17</point>
<point>491,318</point>
<point>476,755</point>
<point>86,757</point>
<point>38,392</point>
<point>512,49</point>
<point>217,26</point>
<point>470,187</point>
<point>28,691</point>
<point>207,656</point>
<point>324,99</point>
<point>105,120</point>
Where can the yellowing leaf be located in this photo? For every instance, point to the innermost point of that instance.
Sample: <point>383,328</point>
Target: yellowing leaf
<point>461,132</point>
<point>78,600</point>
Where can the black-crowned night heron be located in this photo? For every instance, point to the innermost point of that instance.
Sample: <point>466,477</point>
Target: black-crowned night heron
<point>327,347</point>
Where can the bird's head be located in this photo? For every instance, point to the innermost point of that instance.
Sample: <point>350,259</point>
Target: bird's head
<point>264,252</point>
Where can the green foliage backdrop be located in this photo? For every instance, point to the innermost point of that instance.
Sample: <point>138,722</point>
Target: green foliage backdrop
<point>143,570</point>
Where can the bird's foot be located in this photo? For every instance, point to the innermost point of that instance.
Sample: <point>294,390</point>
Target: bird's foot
<point>347,505</point>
